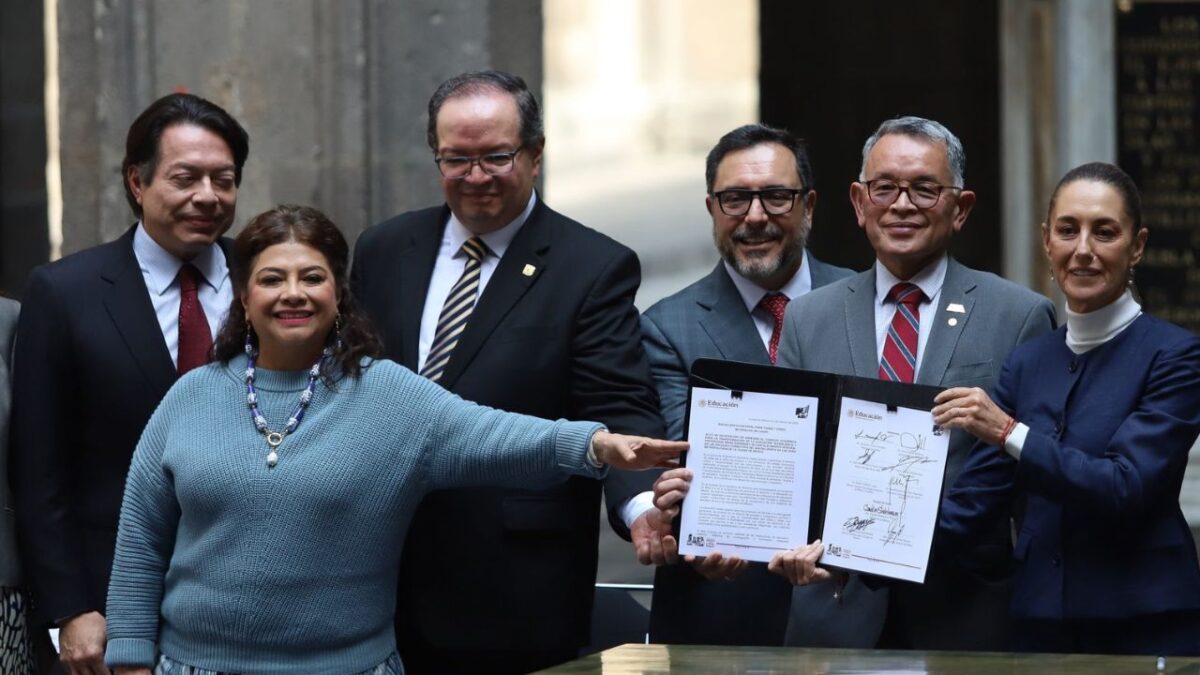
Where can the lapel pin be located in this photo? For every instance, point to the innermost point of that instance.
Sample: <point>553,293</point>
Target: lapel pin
<point>953,321</point>
<point>529,270</point>
<point>957,308</point>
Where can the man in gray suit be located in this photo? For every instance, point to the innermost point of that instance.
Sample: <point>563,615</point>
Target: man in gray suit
<point>761,199</point>
<point>916,315</point>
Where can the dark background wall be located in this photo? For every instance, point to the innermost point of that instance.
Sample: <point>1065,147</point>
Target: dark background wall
<point>831,72</point>
<point>23,226</point>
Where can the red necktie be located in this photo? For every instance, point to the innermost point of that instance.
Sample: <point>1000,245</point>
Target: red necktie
<point>776,304</point>
<point>195,340</point>
<point>899,363</point>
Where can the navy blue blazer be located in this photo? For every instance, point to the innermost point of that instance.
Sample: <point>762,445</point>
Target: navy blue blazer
<point>1100,472</point>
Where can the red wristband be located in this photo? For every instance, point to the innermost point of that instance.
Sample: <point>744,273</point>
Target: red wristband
<point>1008,429</point>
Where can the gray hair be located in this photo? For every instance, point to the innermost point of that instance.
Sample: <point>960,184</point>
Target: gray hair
<point>928,130</point>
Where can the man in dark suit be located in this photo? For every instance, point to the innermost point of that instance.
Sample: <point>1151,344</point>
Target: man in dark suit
<point>103,335</point>
<point>506,303</point>
<point>761,200</point>
<point>916,316</point>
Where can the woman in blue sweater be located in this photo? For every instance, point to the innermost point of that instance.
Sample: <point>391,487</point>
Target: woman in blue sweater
<point>1090,427</point>
<point>268,499</point>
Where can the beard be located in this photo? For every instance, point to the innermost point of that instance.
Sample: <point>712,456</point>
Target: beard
<point>758,267</point>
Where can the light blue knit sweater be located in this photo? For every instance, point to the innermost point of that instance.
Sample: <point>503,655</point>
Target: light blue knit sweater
<point>224,564</point>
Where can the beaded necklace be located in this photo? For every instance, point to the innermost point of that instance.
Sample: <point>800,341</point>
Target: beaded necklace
<point>275,438</point>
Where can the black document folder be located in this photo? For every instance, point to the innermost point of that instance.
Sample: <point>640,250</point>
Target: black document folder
<point>828,389</point>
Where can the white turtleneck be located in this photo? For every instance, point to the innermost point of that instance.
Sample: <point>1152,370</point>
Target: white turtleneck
<point>1085,332</point>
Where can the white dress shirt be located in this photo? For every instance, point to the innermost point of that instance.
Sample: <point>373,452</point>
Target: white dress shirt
<point>930,281</point>
<point>752,294</point>
<point>449,265</point>
<point>160,271</point>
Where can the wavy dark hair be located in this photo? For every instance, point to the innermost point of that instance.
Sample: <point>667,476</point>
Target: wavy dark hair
<point>308,226</point>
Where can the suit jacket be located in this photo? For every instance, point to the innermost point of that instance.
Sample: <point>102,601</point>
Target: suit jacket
<point>91,366</point>
<point>554,335</point>
<point>833,330</point>
<point>1103,536</point>
<point>9,565</point>
<point>708,319</point>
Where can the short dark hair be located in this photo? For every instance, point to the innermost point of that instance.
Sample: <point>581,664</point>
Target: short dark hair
<point>750,135</point>
<point>1110,174</point>
<point>482,81</point>
<point>142,142</point>
<point>308,226</point>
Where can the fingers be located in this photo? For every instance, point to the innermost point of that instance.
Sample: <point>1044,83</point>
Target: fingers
<point>670,489</point>
<point>635,452</point>
<point>716,567</point>
<point>799,565</point>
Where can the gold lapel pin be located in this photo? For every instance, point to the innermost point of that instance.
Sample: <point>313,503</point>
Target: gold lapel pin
<point>529,270</point>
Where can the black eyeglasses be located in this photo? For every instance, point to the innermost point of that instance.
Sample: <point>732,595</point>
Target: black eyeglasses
<point>923,194</point>
<point>775,201</point>
<point>493,164</point>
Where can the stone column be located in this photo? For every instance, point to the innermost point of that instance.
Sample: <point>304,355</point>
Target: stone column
<point>332,92</point>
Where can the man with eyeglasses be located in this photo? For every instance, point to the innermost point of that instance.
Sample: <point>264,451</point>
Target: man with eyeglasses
<point>916,316</point>
<point>507,303</point>
<point>761,199</point>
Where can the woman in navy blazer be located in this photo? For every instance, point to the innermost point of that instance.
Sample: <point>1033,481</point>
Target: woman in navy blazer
<point>1090,427</point>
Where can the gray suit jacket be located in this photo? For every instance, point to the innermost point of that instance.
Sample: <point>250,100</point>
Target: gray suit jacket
<point>9,568</point>
<point>708,319</point>
<point>833,330</point>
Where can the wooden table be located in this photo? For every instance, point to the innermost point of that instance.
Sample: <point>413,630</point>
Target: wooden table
<point>655,659</point>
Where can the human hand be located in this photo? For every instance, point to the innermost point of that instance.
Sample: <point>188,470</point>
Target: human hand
<point>973,411</point>
<point>799,565</point>
<point>635,452</point>
<point>669,490</point>
<point>81,641</point>
<point>716,567</point>
<point>653,542</point>
<point>137,670</point>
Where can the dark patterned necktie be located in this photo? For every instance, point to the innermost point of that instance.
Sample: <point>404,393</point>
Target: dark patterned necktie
<point>456,311</point>
<point>899,362</point>
<point>195,339</point>
<point>776,304</point>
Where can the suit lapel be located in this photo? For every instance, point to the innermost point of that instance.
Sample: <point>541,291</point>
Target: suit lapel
<point>943,338</point>
<point>726,321</point>
<point>860,325</point>
<point>410,284</point>
<point>128,305</point>
<point>522,265</point>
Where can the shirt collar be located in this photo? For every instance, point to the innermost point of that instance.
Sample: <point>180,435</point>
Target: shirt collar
<point>929,280</point>
<point>752,293</point>
<point>497,241</point>
<point>161,266</point>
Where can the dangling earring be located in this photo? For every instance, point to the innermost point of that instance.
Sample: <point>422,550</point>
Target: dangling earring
<point>249,339</point>
<point>1130,281</point>
<point>338,345</point>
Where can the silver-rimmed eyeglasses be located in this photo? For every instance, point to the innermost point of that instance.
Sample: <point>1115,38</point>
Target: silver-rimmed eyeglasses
<point>923,194</point>
<point>775,201</point>
<point>493,164</point>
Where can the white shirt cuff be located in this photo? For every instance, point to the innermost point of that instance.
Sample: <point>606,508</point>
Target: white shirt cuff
<point>636,506</point>
<point>1016,440</point>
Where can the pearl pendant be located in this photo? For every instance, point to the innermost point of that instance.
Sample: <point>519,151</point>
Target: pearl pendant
<point>272,459</point>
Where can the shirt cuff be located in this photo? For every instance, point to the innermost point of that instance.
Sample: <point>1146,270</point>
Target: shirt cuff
<point>1016,440</point>
<point>130,652</point>
<point>635,506</point>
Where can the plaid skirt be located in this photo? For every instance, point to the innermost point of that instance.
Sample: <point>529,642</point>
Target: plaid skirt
<point>167,666</point>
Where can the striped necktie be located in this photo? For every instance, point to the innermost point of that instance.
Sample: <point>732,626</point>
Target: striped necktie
<point>456,312</point>
<point>899,362</point>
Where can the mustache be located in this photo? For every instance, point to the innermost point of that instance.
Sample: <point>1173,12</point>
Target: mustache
<point>745,233</point>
